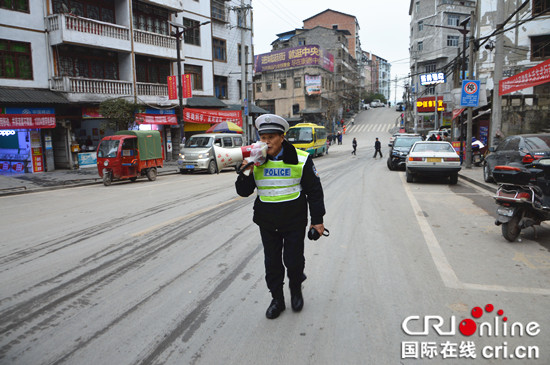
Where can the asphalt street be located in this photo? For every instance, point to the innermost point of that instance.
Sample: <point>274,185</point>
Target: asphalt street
<point>171,272</point>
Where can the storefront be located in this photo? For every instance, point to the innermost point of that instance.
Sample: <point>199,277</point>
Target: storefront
<point>25,139</point>
<point>159,120</point>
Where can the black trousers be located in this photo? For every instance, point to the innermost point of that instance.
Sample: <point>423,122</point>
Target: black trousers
<point>283,247</point>
<point>377,151</point>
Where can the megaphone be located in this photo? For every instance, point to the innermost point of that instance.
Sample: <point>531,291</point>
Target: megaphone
<point>225,157</point>
<point>231,156</point>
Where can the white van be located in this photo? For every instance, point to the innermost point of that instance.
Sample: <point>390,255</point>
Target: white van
<point>198,151</point>
<point>375,103</point>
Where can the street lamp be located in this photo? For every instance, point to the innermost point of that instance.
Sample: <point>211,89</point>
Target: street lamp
<point>177,34</point>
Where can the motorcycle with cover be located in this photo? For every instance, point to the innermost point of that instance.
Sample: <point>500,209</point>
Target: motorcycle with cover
<point>523,196</point>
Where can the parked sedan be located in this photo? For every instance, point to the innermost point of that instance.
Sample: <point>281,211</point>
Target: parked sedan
<point>400,149</point>
<point>433,158</point>
<point>522,148</point>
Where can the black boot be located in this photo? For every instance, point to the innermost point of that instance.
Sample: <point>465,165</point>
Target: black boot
<point>276,307</point>
<point>296,299</point>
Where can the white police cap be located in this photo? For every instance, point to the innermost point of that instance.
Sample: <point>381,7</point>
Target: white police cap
<point>271,123</point>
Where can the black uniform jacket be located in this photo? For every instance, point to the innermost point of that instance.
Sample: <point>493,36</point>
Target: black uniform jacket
<point>291,215</point>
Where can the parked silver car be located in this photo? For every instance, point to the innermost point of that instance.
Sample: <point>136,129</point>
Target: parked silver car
<point>198,151</point>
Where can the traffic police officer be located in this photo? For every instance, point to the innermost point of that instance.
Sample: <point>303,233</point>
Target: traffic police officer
<point>287,183</point>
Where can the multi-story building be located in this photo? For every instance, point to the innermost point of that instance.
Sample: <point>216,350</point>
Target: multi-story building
<point>62,58</point>
<point>308,76</point>
<point>439,30</point>
<point>526,44</point>
<point>434,44</point>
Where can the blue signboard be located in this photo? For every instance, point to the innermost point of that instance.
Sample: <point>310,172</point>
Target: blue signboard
<point>470,93</point>
<point>245,106</point>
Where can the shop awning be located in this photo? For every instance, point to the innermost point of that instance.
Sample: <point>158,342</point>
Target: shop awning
<point>21,96</point>
<point>205,102</point>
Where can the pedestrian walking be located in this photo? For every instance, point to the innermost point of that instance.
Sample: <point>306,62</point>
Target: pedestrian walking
<point>339,137</point>
<point>287,184</point>
<point>354,145</point>
<point>377,148</point>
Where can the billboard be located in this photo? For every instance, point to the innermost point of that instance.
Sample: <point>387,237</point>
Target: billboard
<point>313,84</point>
<point>310,55</point>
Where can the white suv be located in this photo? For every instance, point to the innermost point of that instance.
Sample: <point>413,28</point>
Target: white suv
<point>198,151</point>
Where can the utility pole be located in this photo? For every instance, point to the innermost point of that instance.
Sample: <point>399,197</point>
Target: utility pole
<point>496,107</point>
<point>414,86</point>
<point>470,109</point>
<point>395,92</point>
<point>178,34</point>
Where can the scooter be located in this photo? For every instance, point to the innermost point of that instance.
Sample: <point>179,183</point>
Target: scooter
<point>523,196</point>
<point>477,156</point>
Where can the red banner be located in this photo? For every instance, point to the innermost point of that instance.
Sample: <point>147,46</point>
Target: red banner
<point>166,119</point>
<point>457,112</point>
<point>172,87</point>
<point>187,86</point>
<point>208,116</point>
<point>540,74</point>
<point>27,121</point>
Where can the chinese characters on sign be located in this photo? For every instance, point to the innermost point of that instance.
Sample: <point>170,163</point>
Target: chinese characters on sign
<point>432,78</point>
<point>534,76</point>
<point>187,86</point>
<point>427,104</point>
<point>206,116</point>
<point>294,57</point>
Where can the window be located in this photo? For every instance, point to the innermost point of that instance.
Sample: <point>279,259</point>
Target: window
<point>420,26</point>
<point>540,47</point>
<point>430,90</point>
<point>150,18</point>
<point>282,84</point>
<point>268,86</point>
<point>258,87</point>
<point>220,86</point>
<point>99,10</point>
<point>88,63</point>
<point>218,10</point>
<point>245,52</point>
<point>452,41</point>
<point>334,26</point>
<point>192,36</point>
<point>297,82</point>
<point>295,109</point>
<point>15,60</point>
<point>420,46</point>
<point>416,7</point>
<point>302,41</point>
<point>237,141</point>
<point>152,70</point>
<point>219,50</point>
<point>430,67</point>
<point>453,20</point>
<point>196,75</point>
<point>17,5</point>
<point>541,6</point>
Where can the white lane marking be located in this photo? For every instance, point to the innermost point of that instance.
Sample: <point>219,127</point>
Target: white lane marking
<point>448,275</point>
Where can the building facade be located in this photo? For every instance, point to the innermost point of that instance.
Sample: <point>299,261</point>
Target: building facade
<point>78,53</point>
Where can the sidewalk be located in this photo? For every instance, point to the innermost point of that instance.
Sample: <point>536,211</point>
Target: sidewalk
<point>475,176</point>
<point>18,183</point>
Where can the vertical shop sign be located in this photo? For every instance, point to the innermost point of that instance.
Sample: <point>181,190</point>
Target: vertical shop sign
<point>187,86</point>
<point>172,88</point>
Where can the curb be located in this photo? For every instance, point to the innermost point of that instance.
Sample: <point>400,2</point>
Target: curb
<point>489,188</point>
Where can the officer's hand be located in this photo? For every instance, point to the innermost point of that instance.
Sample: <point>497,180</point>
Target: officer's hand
<point>319,228</point>
<point>249,168</point>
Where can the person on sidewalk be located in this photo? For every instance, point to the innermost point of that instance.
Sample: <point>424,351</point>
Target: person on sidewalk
<point>287,184</point>
<point>377,148</point>
<point>354,145</point>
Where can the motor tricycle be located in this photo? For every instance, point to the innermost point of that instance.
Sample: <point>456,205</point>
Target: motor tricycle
<point>523,196</point>
<point>129,155</point>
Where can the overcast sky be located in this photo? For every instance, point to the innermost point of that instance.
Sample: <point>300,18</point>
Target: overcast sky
<point>384,27</point>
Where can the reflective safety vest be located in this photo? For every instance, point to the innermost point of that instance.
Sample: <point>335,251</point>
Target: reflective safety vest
<point>278,181</point>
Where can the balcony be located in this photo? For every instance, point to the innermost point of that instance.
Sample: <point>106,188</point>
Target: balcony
<point>96,90</point>
<point>154,44</point>
<point>64,28</point>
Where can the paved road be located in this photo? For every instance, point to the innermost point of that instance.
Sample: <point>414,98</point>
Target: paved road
<point>171,271</point>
